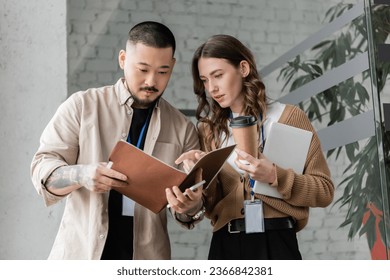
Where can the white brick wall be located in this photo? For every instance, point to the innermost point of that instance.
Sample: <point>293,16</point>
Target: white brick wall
<point>267,27</point>
<point>98,30</point>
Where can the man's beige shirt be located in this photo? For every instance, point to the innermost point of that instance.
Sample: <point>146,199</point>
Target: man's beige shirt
<point>84,130</point>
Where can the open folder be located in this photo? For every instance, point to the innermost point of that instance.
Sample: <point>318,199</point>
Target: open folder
<point>287,147</point>
<point>148,177</point>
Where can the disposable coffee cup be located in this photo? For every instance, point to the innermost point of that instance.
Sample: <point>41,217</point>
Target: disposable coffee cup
<point>244,129</point>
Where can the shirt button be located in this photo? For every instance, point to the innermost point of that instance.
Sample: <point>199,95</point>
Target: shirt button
<point>101,236</point>
<point>129,112</point>
<point>123,135</point>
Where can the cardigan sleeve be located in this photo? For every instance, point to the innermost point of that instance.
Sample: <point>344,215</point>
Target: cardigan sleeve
<point>313,188</point>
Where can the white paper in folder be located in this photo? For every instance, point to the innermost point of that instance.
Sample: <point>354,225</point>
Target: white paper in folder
<point>287,147</point>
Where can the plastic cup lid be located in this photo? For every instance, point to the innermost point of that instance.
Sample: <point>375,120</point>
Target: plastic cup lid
<point>243,121</point>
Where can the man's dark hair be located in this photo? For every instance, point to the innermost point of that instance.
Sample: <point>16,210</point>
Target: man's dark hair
<point>152,34</point>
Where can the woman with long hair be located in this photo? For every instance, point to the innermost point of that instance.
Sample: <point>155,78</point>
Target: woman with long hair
<point>227,84</point>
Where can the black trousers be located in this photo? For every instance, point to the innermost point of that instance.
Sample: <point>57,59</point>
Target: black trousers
<point>278,244</point>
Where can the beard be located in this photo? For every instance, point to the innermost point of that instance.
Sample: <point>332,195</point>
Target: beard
<point>145,103</point>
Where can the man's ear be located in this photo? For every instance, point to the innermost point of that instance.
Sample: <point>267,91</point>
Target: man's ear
<point>173,62</point>
<point>244,68</point>
<point>121,59</point>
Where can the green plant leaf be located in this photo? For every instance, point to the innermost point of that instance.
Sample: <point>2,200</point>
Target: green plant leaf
<point>361,182</point>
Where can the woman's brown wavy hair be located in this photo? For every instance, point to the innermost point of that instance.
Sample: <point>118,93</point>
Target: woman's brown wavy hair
<point>209,112</point>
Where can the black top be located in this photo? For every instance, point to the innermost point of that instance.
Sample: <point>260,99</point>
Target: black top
<point>119,243</point>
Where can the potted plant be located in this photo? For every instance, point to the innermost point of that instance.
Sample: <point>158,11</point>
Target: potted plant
<point>362,196</point>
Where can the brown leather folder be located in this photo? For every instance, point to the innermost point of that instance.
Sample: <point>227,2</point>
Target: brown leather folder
<point>148,177</point>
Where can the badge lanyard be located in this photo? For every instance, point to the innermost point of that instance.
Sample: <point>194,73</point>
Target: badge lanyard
<point>251,181</point>
<point>127,203</point>
<point>253,208</point>
<point>141,135</point>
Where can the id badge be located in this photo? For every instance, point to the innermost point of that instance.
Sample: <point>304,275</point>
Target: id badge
<point>127,206</point>
<point>254,218</point>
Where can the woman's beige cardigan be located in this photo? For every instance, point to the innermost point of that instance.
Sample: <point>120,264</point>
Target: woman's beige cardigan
<point>314,188</point>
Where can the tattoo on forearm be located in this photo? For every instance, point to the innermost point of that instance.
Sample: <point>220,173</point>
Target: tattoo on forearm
<point>64,176</point>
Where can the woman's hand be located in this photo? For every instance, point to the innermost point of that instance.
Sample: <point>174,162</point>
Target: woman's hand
<point>260,169</point>
<point>189,159</point>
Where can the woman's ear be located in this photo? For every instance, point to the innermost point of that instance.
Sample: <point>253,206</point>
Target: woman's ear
<point>244,68</point>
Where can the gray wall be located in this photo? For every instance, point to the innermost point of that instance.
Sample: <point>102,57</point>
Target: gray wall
<point>33,79</point>
<point>35,54</point>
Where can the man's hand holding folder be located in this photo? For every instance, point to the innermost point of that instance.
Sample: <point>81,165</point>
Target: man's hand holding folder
<point>187,202</point>
<point>148,177</point>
